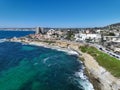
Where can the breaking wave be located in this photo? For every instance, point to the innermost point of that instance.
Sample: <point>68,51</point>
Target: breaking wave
<point>3,40</point>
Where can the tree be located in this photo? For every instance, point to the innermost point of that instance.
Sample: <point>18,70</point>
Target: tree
<point>70,35</point>
<point>111,34</point>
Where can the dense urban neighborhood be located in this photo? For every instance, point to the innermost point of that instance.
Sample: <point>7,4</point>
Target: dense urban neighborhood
<point>106,39</point>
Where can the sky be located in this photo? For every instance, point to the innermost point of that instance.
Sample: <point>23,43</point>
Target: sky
<point>59,13</point>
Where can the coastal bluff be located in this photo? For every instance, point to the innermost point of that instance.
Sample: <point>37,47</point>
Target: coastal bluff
<point>99,76</point>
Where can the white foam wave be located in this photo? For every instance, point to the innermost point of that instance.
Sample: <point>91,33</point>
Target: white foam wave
<point>45,59</point>
<point>69,51</point>
<point>3,40</point>
<point>85,82</point>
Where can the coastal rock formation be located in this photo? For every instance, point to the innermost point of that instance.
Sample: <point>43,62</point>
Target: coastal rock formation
<point>101,79</point>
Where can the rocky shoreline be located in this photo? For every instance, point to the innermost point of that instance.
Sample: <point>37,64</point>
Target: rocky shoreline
<point>99,77</point>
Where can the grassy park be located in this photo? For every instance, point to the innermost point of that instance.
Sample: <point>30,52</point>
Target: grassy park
<point>109,63</point>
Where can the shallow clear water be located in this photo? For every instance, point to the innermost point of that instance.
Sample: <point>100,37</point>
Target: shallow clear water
<point>26,67</point>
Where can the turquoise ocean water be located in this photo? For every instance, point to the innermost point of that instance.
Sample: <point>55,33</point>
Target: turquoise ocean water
<point>27,67</point>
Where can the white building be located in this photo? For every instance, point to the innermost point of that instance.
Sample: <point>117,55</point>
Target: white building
<point>116,49</point>
<point>84,37</point>
<point>111,38</point>
<point>50,33</point>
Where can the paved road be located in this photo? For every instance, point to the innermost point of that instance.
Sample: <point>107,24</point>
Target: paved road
<point>103,49</point>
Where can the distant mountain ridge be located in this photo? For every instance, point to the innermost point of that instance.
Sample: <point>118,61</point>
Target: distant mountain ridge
<point>115,26</point>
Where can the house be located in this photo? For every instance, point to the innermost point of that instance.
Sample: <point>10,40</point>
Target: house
<point>88,37</point>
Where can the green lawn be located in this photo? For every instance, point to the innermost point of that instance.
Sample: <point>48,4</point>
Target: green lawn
<point>110,63</point>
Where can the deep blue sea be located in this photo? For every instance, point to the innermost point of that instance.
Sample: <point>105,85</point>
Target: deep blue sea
<point>27,67</point>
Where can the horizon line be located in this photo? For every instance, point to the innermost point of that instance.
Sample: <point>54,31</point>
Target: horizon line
<point>60,27</point>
